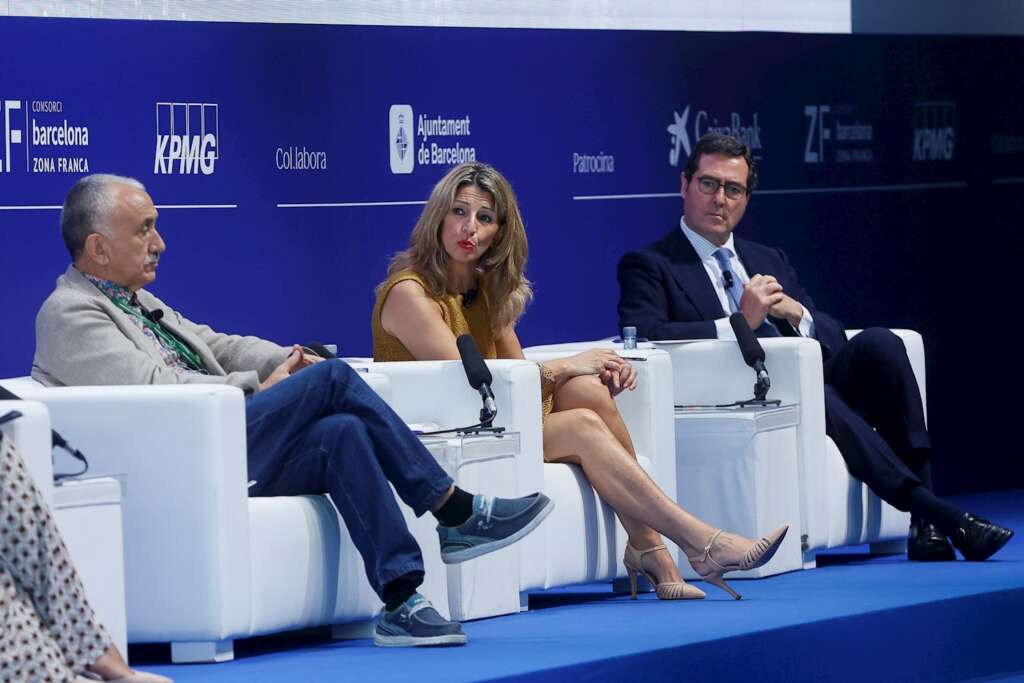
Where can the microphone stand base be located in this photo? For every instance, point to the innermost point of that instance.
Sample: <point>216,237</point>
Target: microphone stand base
<point>758,402</point>
<point>481,430</point>
<point>761,402</point>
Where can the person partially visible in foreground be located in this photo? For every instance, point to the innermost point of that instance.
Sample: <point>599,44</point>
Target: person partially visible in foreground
<point>49,632</point>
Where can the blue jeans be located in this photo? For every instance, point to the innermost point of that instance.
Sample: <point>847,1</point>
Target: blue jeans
<point>324,430</point>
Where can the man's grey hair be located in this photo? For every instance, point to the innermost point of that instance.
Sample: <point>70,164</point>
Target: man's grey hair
<point>87,209</point>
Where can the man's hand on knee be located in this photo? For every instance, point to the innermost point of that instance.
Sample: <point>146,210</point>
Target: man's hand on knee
<point>291,364</point>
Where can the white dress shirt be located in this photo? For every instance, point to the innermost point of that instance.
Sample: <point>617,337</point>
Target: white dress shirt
<point>706,253</point>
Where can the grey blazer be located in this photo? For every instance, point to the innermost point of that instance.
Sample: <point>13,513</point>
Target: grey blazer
<point>82,338</point>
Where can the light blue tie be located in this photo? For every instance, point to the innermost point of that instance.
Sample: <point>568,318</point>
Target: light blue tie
<point>731,281</point>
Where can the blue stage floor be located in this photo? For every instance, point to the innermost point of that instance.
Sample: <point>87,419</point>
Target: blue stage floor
<point>855,618</point>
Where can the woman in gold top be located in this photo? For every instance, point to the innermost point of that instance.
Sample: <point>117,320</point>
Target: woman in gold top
<point>463,273</point>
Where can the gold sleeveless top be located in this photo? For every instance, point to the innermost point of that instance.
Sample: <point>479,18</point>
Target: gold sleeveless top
<point>474,320</point>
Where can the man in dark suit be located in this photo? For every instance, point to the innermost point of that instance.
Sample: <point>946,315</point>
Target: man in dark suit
<point>685,286</point>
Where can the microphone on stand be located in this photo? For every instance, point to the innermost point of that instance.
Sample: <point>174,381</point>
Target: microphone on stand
<point>479,377</point>
<point>753,354</point>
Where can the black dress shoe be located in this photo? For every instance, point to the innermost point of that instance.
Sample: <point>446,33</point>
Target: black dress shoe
<point>979,539</point>
<point>926,543</point>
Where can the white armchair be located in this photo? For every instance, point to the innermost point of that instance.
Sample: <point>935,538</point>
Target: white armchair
<point>582,540</point>
<point>206,564</point>
<point>592,551</point>
<point>835,509</point>
<point>437,392</point>
<point>86,514</point>
<point>30,434</point>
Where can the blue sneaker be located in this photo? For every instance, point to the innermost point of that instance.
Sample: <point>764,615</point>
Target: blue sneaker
<point>416,624</point>
<point>495,523</point>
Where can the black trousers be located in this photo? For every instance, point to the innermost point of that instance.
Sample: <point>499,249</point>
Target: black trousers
<point>874,414</point>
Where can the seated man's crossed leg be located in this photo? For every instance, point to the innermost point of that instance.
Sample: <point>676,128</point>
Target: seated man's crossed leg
<point>324,430</point>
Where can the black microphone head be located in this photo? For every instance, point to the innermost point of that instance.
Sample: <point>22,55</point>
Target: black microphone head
<point>476,369</point>
<point>749,346</point>
<point>156,315</point>
<point>320,350</point>
<point>727,278</point>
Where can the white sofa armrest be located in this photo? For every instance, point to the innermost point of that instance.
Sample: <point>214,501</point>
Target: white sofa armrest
<point>438,392</point>
<point>181,450</point>
<point>30,435</point>
<point>647,411</point>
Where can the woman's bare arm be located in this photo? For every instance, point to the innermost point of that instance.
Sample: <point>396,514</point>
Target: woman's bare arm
<point>415,320</point>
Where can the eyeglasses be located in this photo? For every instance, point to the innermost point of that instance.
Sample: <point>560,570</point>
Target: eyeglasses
<point>709,185</point>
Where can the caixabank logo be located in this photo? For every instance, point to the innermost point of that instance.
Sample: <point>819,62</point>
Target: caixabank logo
<point>683,134</point>
<point>427,139</point>
<point>39,132</point>
<point>187,138</point>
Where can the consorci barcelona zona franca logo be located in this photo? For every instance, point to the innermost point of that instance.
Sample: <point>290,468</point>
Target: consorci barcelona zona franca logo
<point>427,140</point>
<point>187,138</point>
<point>41,134</point>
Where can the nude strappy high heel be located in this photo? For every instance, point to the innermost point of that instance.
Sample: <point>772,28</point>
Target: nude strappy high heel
<point>669,590</point>
<point>757,554</point>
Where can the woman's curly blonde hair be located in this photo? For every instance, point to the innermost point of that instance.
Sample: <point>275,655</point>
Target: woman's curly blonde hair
<point>501,268</point>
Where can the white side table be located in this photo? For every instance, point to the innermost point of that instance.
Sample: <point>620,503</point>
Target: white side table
<point>88,514</point>
<point>737,468</point>
<point>486,586</point>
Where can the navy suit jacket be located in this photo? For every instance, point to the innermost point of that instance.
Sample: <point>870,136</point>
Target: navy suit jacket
<point>665,291</point>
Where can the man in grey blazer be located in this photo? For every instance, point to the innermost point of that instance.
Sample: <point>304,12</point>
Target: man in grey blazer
<point>312,426</point>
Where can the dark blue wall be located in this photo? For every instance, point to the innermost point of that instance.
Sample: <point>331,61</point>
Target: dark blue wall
<point>878,237</point>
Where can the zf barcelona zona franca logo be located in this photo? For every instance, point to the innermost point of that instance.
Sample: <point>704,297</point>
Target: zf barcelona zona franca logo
<point>187,138</point>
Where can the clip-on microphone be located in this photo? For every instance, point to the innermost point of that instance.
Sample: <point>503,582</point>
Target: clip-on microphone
<point>753,355</point>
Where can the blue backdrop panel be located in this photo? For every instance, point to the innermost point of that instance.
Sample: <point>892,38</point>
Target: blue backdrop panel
<point>288,160</point>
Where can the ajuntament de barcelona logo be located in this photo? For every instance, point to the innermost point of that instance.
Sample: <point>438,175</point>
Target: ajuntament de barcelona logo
<point>411,139</point>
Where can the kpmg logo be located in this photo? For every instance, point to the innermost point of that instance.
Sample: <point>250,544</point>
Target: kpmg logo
<point>400,138</point>
<point>187,138</point>
<point>748,132</point>
<point>12,134</point>
<point>934,131</point>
